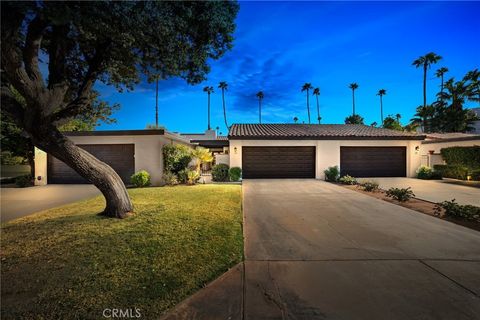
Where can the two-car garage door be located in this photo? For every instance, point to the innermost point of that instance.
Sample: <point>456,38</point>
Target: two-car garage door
<point>299,162</point>
<point>119,156</point>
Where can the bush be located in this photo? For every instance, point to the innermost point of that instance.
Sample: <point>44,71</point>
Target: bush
<point>24,181</point>
<point>235,173</point>
<point>192,176</point>
<point>428,173</point>
<point>140,179</point>
<point>183,175</point>
<point>462,156</point>
<point>176,157</point>
<point>170,178</point>
<point>220,172</point>
<point>475,174</point>
<point>458,211</point>
<point>332,174</point>
<point>369,186</point>
<point>452,171</point>
<point>400,194</point>
<point>348,180</point>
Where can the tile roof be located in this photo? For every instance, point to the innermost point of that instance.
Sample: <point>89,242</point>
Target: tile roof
<point>317,132</point>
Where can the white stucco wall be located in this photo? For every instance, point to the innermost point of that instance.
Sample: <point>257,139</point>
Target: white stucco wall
<point>40,167</point>
<point>148,153</point>
<point>426,147</point>
<point>328,151</point>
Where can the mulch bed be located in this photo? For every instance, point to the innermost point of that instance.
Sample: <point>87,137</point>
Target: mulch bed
<point>423,206</point>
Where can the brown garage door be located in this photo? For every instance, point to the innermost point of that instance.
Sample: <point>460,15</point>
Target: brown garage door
<point>373,161</point>
<point>119,156</point>
<point>278,162</point>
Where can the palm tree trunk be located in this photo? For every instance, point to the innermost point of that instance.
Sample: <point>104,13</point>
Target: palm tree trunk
<point>381,109</point>
<point>424,85</point>
<point>353,100</point>
<point>308,106</point>
<point>260,111</point>
<point>224,109</point>
<point>209,111</point>
<point>318,110</point>
<point>156,105</point>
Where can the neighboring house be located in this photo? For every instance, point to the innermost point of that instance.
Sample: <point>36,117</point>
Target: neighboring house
<point>305,151</point>
<point>476,124</point>
<point>218,145</point>
<point>434,142</point>
<point>126,151</point>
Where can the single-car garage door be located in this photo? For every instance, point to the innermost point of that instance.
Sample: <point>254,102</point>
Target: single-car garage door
<point>278,162</point>
<point>119,156</point>
<point>373,161</point>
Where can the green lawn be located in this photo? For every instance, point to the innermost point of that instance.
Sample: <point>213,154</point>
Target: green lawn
<point>70,263</point>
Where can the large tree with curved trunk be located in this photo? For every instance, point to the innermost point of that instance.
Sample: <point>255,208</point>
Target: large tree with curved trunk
<point>81,43</point>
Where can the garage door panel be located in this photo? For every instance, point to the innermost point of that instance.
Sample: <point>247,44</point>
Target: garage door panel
<point>119,156</point>
<point>278,162</point>
<point>373,161</point>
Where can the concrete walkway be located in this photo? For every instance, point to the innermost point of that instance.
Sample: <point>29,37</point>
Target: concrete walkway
<point>434,190</point>
<point>20,202</point>
<point>314,250</point>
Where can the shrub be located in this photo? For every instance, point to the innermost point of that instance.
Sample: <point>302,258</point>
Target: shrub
<point>332,174</point>
<point>400,194</point>
<point>369,186</point>
<point>170,178</point>
<point>176,157</point>
<point>140,179</point>
<point>428,173</point>
<point>348,180</point>
<point>235,173</point>
<point>183,175</point>
<point>192,176</point>
<point>458,211</point>
<point>24,181</point>
<point>462,156</point>
<point>220,172</point>
<point>452,171</point>
<point>475,174</point>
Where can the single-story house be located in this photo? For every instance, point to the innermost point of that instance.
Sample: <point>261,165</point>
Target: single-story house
<point>434,142</point>
<point>126,151</point>
<point>305,151</point>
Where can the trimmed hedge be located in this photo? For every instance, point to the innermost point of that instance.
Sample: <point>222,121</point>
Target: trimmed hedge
<point>462,156</point>
<point>176,157</point>
<point>235,173</point>
<point>452,171</point>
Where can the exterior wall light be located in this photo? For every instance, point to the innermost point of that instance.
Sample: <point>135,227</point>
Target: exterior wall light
<point>417,149</point>
<point>235,150</point>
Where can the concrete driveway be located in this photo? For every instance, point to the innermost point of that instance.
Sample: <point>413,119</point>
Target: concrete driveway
<point>433,190</point>
<point>20,202</point>
<point>314,250</point>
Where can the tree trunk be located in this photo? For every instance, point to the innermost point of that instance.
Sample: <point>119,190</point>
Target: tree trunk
<point>381,109</point>
<point>353,101</point>
<point>308,107</point>
<point>118,204</point>
<point>209,111</point>
<point>260,111</point>
<point>318,111</point>
<point>424,86</point>
<point>224,109</point>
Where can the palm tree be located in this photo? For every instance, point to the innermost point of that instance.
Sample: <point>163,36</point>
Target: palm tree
<point>398,116</point>
<point>201,155</point>
<point>423,117</point>
<point>306,87</point>
<point>316,93</point>
<point>353,86</point>
<point>208,90</point>
<point>260,98</point>
<point>473,80</point>
<point>381,93</point>
<point>156,102</point>
<point>440,74</point>
<point>426,61</point>
<point>224,86</point>
<point>295,119</point>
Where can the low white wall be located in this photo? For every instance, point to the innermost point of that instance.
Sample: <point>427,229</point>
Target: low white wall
<point>222,158</point>
<point>148,153</point>
<point>328,151</point>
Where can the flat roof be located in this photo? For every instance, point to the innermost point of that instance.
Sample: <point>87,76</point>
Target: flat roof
<point>148,132</point>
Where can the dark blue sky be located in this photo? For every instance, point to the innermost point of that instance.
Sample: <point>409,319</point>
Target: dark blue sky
<point>281,45</point>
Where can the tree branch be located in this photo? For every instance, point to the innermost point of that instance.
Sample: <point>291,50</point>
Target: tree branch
<point>12,106</point>
<point>32,48</point>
